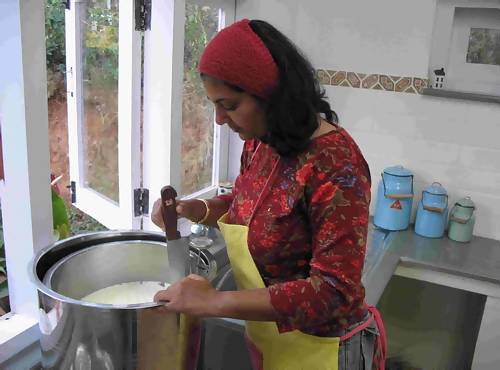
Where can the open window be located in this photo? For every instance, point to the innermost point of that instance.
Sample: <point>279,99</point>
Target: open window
<point>137,113</point>
<point>182,145</point>
<point>104,95</point>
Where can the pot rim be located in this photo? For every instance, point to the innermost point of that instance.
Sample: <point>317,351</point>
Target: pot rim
<point>42,288</point>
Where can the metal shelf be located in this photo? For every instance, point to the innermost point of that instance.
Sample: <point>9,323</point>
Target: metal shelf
<point>461,95</point>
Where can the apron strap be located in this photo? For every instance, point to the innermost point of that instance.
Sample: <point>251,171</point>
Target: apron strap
<point>381,341</point>
<point>357,329</point>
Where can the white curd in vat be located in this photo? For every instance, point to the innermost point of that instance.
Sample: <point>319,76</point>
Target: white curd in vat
<point>136,292</point>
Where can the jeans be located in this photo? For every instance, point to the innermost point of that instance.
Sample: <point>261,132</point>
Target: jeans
<point>356,353</point>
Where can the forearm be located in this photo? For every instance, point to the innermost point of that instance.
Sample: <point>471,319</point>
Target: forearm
<point>252,304</point>
<point>218,207</point>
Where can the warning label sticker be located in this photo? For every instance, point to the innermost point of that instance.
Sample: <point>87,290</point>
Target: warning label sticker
<point>396,205</point>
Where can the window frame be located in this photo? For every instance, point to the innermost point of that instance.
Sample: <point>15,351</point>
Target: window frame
<point>163,87</point>
<point>25,193</point>
<point>111,214</point>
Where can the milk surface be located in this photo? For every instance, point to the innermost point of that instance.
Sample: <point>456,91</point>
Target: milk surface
<point>136,292</point>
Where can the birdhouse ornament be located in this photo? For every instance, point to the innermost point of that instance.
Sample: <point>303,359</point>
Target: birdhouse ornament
<point>438,78</point>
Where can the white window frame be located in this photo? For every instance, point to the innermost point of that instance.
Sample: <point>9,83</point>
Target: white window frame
<point>111,214</point>
<point>449,48</point>
<point>25,194</point>
<point>163,84</point>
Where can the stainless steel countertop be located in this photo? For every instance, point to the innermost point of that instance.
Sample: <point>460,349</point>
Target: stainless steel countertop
<point>479,259</point>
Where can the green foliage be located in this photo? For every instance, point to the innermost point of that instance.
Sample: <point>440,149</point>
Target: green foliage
<point>201,21</point>
<point>101,41</point>
<point>101,45</point>
<point>59,217</point>
<point>197,141</point>
<point>82,223</point>
<point>54,35</point>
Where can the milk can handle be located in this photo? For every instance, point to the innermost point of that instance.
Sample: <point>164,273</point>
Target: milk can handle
<point>434,209</point>
<point>398,196</point>
<point>458,219</point>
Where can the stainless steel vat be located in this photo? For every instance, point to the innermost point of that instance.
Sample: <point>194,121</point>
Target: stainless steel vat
<point>223,345</point>
<point>81,335</point>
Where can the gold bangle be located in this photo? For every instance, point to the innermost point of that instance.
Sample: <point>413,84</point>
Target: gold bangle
<point>207,212</point>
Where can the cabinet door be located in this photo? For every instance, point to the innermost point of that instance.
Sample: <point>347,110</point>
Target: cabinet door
<point>487,353</point>
<point>103,53</point>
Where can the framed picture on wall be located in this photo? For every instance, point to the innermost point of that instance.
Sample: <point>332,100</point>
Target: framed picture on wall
<point>466,47</point>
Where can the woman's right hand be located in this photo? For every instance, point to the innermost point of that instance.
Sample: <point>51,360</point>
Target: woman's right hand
<point>192,209</point>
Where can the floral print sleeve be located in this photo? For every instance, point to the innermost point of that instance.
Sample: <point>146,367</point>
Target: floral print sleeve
<point>308,234</point>
<point>337,194</point>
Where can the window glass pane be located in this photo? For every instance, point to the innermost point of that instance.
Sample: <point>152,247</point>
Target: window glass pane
<point>100,94</point>
<point>197,111</point>
<point>484,46</point>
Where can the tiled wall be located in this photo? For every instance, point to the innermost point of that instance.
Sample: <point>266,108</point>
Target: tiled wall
<point>372,81</point>
<point>455,142</point>
<point>373,59</point>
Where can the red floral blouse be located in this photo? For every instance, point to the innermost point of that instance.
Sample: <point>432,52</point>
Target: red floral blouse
<point>308,234</point>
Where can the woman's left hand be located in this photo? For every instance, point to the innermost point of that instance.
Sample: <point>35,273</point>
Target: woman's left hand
<point>193,295</point>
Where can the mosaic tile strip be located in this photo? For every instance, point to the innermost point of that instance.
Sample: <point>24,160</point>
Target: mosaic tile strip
<point>412,85</point>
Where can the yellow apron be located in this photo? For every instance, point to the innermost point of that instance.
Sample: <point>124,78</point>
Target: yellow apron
<point>289,351</point>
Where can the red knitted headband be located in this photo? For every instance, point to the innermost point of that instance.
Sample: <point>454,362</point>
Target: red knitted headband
<point>238,56</point>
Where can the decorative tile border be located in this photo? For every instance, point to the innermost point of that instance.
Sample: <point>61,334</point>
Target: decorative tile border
<point>411,85</point>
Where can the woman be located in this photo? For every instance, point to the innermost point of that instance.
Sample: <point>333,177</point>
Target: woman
<point>295,225</point>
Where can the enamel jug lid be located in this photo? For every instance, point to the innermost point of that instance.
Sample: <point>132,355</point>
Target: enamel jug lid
<point>398,171</point>
<point>436,188</point>
<point>466,203</point>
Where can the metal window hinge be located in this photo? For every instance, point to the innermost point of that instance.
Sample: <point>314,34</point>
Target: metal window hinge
<point>72,191</point>
<point>141,202</point>
<point>142,15</point>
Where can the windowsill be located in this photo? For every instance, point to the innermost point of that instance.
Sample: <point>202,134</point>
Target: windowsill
<point>461,95</point>
<point>16,333</point>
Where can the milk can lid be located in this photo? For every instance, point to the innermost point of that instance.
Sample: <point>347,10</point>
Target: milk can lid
<point>436,188</point>
<point>466,202</point>
<point>398,171</point>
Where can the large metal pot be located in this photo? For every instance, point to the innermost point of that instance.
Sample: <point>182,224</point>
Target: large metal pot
<point>82,335</point>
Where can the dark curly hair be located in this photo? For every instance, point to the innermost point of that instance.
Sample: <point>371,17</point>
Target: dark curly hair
<point>292,109</point>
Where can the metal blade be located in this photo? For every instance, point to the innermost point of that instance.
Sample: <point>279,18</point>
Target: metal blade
<point>178,258</point>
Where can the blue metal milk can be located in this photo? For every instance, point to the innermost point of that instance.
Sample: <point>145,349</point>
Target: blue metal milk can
<point>432,212</point>
<point>394,199</point>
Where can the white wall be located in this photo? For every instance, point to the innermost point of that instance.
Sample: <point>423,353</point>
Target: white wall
<point>235,148</point>
<point>456,142</point>
<point>355,35</point>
